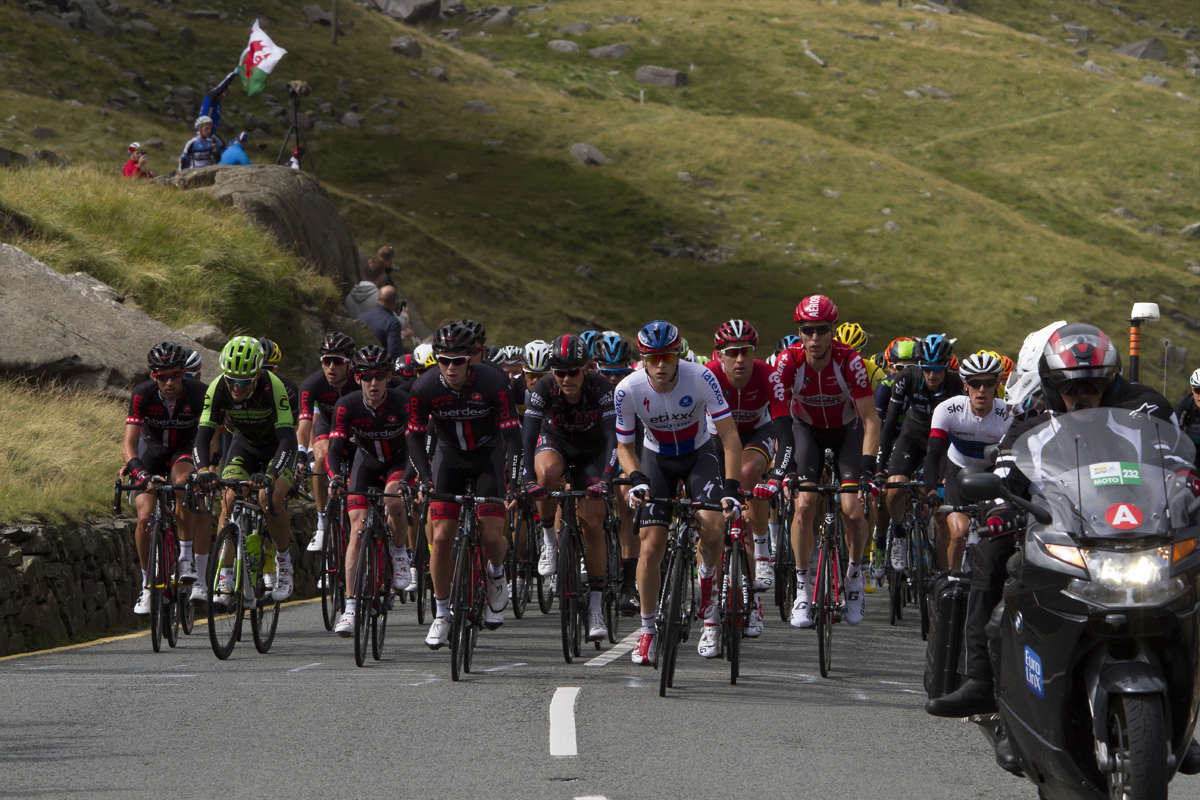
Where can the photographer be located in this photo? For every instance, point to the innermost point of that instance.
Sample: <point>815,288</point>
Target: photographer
<point>136,166</point>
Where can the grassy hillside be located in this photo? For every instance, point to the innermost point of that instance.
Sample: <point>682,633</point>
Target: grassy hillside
<point>1003,195</point>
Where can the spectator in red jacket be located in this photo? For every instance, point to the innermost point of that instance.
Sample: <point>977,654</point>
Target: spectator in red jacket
<point>136,166</point>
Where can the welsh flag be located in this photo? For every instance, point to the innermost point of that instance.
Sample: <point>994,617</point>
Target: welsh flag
<point>258,59</point>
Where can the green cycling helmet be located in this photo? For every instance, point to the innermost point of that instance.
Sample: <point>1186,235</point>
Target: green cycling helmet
<point>242,357</point>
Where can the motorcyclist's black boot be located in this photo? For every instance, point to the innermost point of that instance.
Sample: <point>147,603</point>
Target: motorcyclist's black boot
<point>1191,759</point>
<point>973,697</point>
<point>1006,759</point>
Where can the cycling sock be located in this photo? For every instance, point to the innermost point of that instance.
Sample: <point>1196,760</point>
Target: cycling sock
<point>397,552</point>
<point>185,551</point>
<point>594,600</point>
<point>202,567</point>
<point>145,576</point>
<point>761,549</point>
<point>351,604</point>
<point>898,532</point>
<point>320,520</point>
<point>443,608</point>
<point>283,557</point>
<point>549,537</point>
<point>773,529</point>
<point>852,570</point>
<point>801,581</point>
<point>495,570</point>
<point>648,624</point>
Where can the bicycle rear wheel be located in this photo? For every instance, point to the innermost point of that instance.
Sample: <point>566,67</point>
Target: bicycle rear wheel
<point>568,595</point>
<point>671,609</point>
<point>225,621</point>
<point>477,598</point>
<point>186,611</point>
<point>333,598</point>
<point>156,581</point>
<point>460,596</point>
<point>421,562</point>
<point>264,617</point>
<point>364,590</point>
<point>920,578</point>
<point>545,591</point>
<point>172,589</point>
<point>735,610</point>
<point>383,597</point>
<point>826,607</point>
<point>612,582</point>
<point>524,559</point>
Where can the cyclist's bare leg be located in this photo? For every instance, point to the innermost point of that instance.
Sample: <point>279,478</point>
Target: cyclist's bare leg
<point>591,520</point>
<point>958,525</point>
<point>549,469</point>
<point>358,520</point>
<point>895,497</point>
<point>320,476</point>
<point>629,540</point>
<point>802,527</point>
<point>654,544</point>
<point>441,562</point>
<point>754,464</point>
<point>492,539</point>
<point>397,514</point>
<point>144,503</point>
<point>279,525</point>
<point>857,530</point>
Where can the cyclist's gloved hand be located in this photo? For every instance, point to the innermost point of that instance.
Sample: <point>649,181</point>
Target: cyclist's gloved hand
<point>206,478</point>
<point>336,483</point>
<point>534,489</point>
<point>790,482</point>
<point>425,488</point>
<point>766,491</point>
<point>732,507</point>
<point>264,480</point>
<point>597,488</point>
<point>995,525</point>
<point>639,488</point>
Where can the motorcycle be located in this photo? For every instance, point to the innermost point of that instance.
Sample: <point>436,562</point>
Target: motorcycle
<point>1096,644</point>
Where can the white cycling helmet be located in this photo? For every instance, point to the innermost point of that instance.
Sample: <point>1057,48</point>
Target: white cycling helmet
<point>537,356</point>
<point>981,363</point>
<point>422,355</point>
<point>1195,379</point>
<point>511,354</point>
<point>1024,380</point>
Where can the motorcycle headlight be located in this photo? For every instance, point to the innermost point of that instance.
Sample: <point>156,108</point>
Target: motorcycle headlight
<point>1127,579</point>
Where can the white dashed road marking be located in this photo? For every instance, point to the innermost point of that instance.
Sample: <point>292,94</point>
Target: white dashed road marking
<point>562,722</point>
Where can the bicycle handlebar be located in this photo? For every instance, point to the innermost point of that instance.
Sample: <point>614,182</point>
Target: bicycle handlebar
<point>907,485</point>
<point>568,494</point>
<point>149,485</point>
<point>463,499</point>
<point>957,509</point>
<point>826,490</point>
<point>679,501</point>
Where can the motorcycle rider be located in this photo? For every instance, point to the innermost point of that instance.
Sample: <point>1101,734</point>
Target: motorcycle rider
<point>1080,368</point>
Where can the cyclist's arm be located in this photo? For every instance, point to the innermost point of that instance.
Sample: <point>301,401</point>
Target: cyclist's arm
<point>211,418</point>
<point>304,432</point>
<point>627,457</point>
<point>129,448</point>
<point>889,433</point>
<point>935,458</point>
<point>871,424</point>
<point>531,428</point>
<point>338,433</point>
<point>732,444</point>
<point>418,424</point>
<point>610,447</point>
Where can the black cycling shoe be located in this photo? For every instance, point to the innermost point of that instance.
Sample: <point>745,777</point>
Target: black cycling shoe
<point>973,697</point>
<point>1191,760</point>
<point>1006,759</point>
<point>627,601</point>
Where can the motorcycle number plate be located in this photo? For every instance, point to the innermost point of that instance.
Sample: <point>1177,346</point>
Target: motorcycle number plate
<point>1033,673</point>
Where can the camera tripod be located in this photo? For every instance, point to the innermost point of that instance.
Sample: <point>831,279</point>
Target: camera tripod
<point>294,129</point>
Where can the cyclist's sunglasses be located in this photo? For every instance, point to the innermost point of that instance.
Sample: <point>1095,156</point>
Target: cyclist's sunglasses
<point>453,361</point>
<point>333,361</point>
<point>1196,390</point>
<point>1084,386</point>
<point>239,383</point>
<point>371,377</point>
<point>535,375</point>
<point>567,373</point>
<point>614,372</point>
<point>167,377</point>
<point>983,383</point>
<point>812,331</point>
<point>933,368</point>
<point>654,359</point>
<point>741,350</point>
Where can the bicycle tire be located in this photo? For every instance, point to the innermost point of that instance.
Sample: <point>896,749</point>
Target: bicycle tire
<point>155,578</point>
<point>921,577</point>
<point>478,596</point>
<point>264,617</point>
<point>186,612</point>
<point>520,564</point>
<point>735,607</point>
<point>332,598</point>
<point>172,591</point>
<point>785,565</point>
<point>364,589</point>
<point>421,560</point>
<point>826,609</point>
<point>225,625</point>
<point>566,592</point>
<point>459,597</point>
<point>385,580</point>
<point>544,590</point>
<point>672,602</point>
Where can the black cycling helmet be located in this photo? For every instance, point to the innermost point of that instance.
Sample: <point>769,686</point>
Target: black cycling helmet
<point>166,356</point>
<point>337,344</point>
<point>193,363</point>
<point>568,352</point>
<point>610,350</point>
<point>936,350</point>
<point>1078,358</point>
<point>455,337</point>
<point>477,330</point>
<point>493,355</point>
<point>371,358</point>
<point>404,366</point>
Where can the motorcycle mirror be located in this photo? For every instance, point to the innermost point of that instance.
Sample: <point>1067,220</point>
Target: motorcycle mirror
<point>976,486</point>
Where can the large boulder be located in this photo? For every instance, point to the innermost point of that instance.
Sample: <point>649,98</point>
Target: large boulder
<point>288,203</point>
<point>411,11</point>
<point>1151,49</point>
<point>60,327</point>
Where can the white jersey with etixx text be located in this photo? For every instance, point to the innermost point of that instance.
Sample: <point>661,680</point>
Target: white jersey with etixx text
<point>675,421</point>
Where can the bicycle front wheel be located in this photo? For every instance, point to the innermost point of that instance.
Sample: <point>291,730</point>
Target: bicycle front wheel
<point>460,607</point>
<point>156,581</point>
<point>364,590</point>
<point>568,594</point>
<point>424,586</point>
<point>826,603</point>
<point>225,609</point>
<point>524,559</point>
<point>172,589</point>
<point>383,598</point>
<point>671,609</point>
<point>333,598</point>
<point>264,617</point>
<point>921,576</point>
<point>735,610</point>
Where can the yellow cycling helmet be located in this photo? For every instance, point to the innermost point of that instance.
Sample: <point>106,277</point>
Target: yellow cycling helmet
<point>423,356</point>
<point>852,334</point>
<point>272,355</point>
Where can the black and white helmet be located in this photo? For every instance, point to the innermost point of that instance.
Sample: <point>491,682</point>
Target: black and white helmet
<point>1195,379</point>
<point>193,363</point>
<point>511,355</point>
<point>537,356</point>
<point>981,363</point>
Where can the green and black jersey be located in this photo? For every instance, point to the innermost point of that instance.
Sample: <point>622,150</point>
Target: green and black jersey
<point>264,421</point>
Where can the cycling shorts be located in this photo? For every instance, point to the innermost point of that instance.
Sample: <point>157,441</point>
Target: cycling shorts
<point>160,460</point>
<point>952,496</point>
<point>760,440</point>
<point>582,466</point>
<point>845,441</point>
<point>369,472</point>
<point>321,425</point>
<point>908,454</point>
<point>241,461</point>
<point>700,471</point>
<point>454,471</point>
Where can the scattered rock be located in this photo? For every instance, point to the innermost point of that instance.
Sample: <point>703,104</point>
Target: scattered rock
<point>686,177</point>
<point>1124,213</point>
<point>661,76</point>
<point>500,19</point>
<point>707,183</point>
<point>490,55</point>
<point>1191,230</point>
<point>929,24</point>
<point>453,176</point>
<point>830,193</point>
<point>92,18</point>
<point>47,157</point>
<point>1077,30</point>
<point>587,154</point>
<point>491,142</point>
<point>820,61</point>
<point>387,130</point>
<point>477,107</point>
<point>908,26</point>
<point>186,35</point>
<point>585,270</point>
<point>1082,52</point>
<point>890,226</point>
<point>932,91</point>
<point>145,26</point>
<point>850,282</point>
<point>578,29</point>
<point>318,15</point>
<point>353,121</point>
<point>406,46</point>
<point>1029,298</point>
<point>40,132</point>
<point>1150,79</point>
<point>208,335</point>
<point>410,11</point>
<point>563,46</point>
<point>913,93</point>
<point>610,51</point>
<point>1151,49</point>
<point>1093,67</point>
<point>12,160</point>
<point>439,74</point>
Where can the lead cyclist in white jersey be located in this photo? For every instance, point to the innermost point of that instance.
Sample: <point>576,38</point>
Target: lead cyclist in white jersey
<point>674,399</point>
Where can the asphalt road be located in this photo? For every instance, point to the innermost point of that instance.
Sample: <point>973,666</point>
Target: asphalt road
<point>114,719</point>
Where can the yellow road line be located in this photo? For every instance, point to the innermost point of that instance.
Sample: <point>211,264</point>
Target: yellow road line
<point>126,636</point>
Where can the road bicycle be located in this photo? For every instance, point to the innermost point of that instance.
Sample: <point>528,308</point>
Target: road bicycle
<point>785,559</point>
<point>523,553</point>
<point>737,599</point>
<point>900,591</point>
<point>331,574</point>
<point>374,576</point>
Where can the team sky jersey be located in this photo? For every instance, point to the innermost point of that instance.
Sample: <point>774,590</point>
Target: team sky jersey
<point>824,400</point>
<point>582,423</point>
<point>968,434</point>
<point>169,425</point>
<point>750,405</point>
<point>264,421</point>
<point>913,395</point>
<point>473,417</point>
<point>378,431</point>
<point>675,422</point>
<point>319,396</point>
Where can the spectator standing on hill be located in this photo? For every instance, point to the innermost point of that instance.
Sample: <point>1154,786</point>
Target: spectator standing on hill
<point>382,321</point>
<point>298,152</point>
<point>210,106</point>
<point>388,256</point>
<point>136,166</point>
<point>364,294</point>
<point>235,154</point>
<point>204,149</point>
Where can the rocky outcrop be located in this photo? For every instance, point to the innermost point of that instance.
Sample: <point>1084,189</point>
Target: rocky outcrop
<point>62,328</point>
<point>411,11</point>
<point>288,203</point>
<point>63,582</point>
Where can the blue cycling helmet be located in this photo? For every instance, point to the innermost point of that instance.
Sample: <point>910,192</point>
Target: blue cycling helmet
<point>785,343</point>
<point>657,337</point>
<point>589,340</point>
<point>611,350</point>
<point>936,350</point>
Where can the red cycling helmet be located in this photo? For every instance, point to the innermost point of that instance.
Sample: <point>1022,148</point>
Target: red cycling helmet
<point>817,308</point>
<point>735,330</point>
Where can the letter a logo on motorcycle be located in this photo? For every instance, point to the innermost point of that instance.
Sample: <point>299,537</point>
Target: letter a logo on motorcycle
<point>1123,516</point>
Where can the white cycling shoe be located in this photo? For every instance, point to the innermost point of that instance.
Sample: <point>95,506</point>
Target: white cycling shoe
<point>345,625</point>
<point>710,641</point>
<point>764,574</point>
<point>900,554</point>
<point>401,571</point>
<point>800,618</point>
<point>597,629</point>
<point>187,571</point>
<point>856,598</point>
<point>199,594</point>
<point>317,542</point>
<point>439,633</point>
<point>754,626</point>
<point>548,562</point>
<point>142,606</point>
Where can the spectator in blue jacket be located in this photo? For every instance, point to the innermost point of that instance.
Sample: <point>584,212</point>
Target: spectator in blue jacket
<point>383,323</point>
<point>236,153</point>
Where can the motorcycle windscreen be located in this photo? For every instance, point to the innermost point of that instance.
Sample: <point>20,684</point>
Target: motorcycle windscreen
<point>1108,472</point>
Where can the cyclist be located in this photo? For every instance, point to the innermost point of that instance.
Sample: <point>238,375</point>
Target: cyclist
<point>376,417</point>
<point>613,356</point>
<point>253,403</point>
<point>901,353</point>
<point>852,334</point>
<point>535,363</point>
<point>193,364</point>
<point>822,399</point>
<point>589,340</point>
<point>1188,412</point>
<point>784,343</point>
<point>423,358</point>
<point>472,409</point>
<point>960,430</point>
<point>319,393</point>
<point>159,431</point>
<point>746,384</point>
<point>510,360</point>
<point>916,392</point>
<point>672,397</point>
<point>570,430</point>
